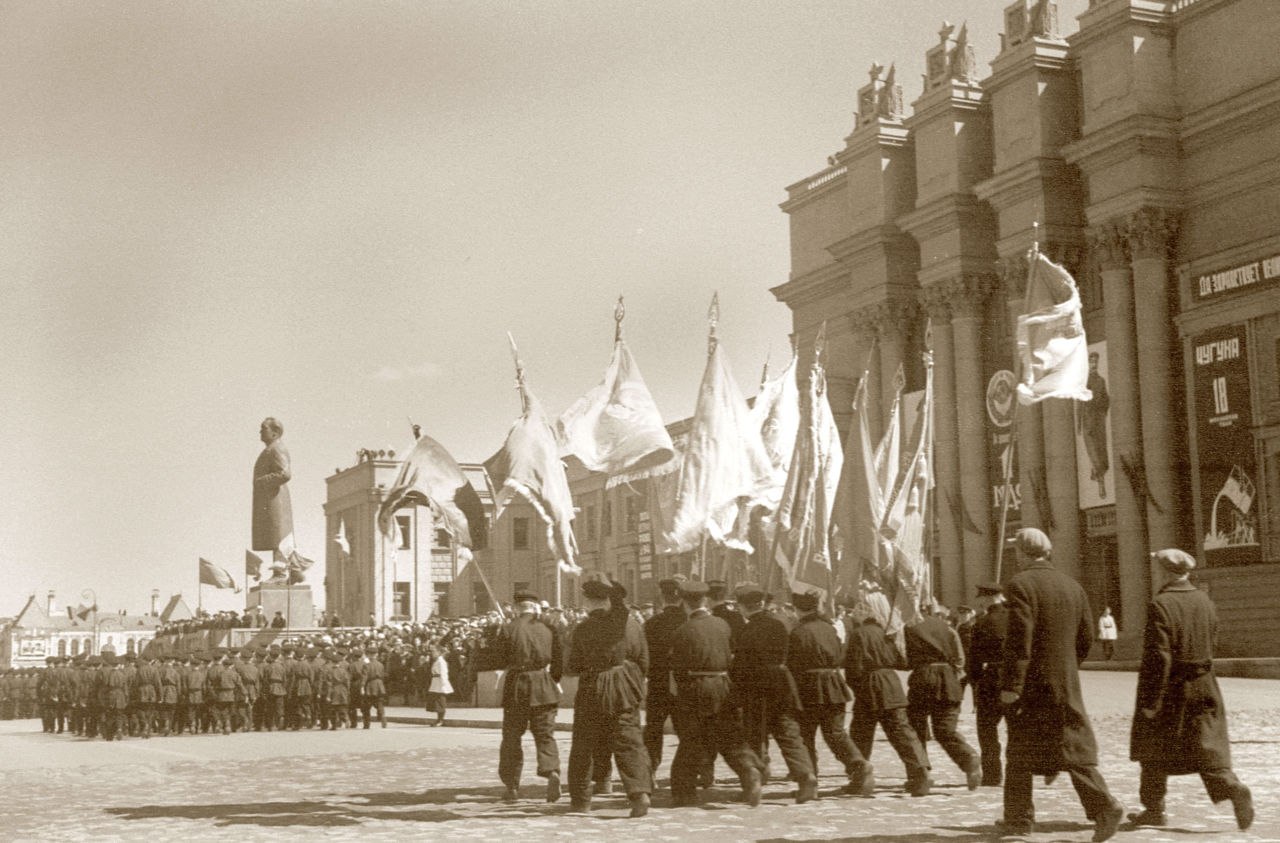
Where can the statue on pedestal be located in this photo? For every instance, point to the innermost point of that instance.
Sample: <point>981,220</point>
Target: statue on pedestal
<point>272,506</point>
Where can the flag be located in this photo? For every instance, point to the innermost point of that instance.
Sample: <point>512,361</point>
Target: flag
<point>616,428</point>
<point>1050,332</point>
<point>298,565</point>
<point>431,476</point>
<point>83,612</point>
<point>252,565</point>
<point>528,465</point>
<point>341,538</point>
<point>724,463</point>
<point>776,414</point>
<point>813,479</point>
<point>211,574</point>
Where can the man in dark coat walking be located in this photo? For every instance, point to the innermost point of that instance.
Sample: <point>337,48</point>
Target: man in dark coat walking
<point>707,719</point>
<point>609,654</point>
<point>814,657</point>
<point>934,692</point>
<point>986,646</point>
<point>659,703</point>
<point>766,690</point>
<point>1050,632</point>
<point>1180,722</point>
<point>531,659</point>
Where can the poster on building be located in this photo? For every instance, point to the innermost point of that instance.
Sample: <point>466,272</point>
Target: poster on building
<point>1095,454</point>
<point>1227,467</point>
<point>1002,456</point>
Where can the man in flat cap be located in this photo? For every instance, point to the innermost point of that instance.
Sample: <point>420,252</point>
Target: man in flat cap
<point>1180,721</point>
<point>986,645</point>
<point>609,654</point>
<point>814,658</point>
<point>934,692</point>
<point>659,704</point>
<point>767,692</point>
<point>1050,633</point>
<point>530,652</point>
<point>707,720</point>
<point>718,603</point>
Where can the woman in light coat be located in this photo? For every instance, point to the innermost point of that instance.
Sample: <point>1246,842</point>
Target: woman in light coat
<point>439,689</point>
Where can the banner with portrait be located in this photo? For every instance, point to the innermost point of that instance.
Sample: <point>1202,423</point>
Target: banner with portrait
<point>1002,452</point>
<point>1226,457</point>
<point>1095,454</point>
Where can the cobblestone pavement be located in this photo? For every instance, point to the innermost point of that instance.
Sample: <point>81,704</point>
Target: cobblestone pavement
<point>408,782</point>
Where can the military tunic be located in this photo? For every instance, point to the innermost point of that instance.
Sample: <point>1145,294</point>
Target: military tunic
<point>814,658</point>
<point>532,660</point>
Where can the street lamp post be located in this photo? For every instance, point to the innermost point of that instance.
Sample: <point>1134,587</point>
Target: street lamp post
<point>155,595</point>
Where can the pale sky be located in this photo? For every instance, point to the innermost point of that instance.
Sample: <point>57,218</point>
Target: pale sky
<point>332,212</point>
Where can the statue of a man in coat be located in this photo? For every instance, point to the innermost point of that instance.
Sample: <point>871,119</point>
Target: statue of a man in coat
<point>272,508</point>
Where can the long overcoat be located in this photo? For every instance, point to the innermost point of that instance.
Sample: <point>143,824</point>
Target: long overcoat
<point>1050,632</point>
<point>272,507</point>
<point>1176,680</point>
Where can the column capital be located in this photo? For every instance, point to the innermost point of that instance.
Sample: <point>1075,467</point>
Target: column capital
<point>968,293</point>
<point>935,300</point>
<point>1152,232</point>
<point>885,318</point>
<point>1013,271</point>
<point>1109,244</point>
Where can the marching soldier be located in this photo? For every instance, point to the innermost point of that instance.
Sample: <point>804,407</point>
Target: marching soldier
<point>610,657</point>
<point>338,691</point>
<point>375,688</point>
<point>47,694</point>
<point>985,646</point>
<point>870,661</point>
<point>66,694</point>
<point>170,691</point>
<point>766,690</point>
<point>1050,632</point>
<point>146,695</point>
<point>302,689</point>
<point>707,721</point>
<point>275,681</point>
<point>659,703</point>
<point>1180,722</point>
<point>717,601</point>
<point>934,692</point>
<point>814,658</point>
<point>247,694</point>
<point>356,662</point>
<point>115,698</point>
<point>226,688</point>
<point>532,662</point>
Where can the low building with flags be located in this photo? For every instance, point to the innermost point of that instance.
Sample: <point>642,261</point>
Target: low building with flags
<point>1134,148</point>
<point>40,629</point>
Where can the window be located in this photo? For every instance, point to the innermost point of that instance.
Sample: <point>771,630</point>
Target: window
<point>400,600</point>
<point>75,647</point>
<point>519,533</point>
<point>406,531</point>
<point>606,517</point>
<point>62,647</point>
<point>589,522</point>
<point>631,512</point>
<point>442,538</point>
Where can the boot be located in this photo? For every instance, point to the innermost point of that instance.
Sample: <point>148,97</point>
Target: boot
<point>807,790</point>
<point>751,790</point>
<point>553,786</point>
<point>1242,803</point>
<point>512,794</point>
<point>639,804</point>
<point>1105,826</point>
<point>1148,817</point>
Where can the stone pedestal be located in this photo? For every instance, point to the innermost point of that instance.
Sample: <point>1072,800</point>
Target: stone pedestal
<point>293,602</point>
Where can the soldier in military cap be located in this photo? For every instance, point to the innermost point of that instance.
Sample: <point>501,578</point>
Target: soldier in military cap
<point>934,692</point>
<point>707,719</point>
<point>275,687</point>
<point>718,603</point>
<point>247,694</point>
<point>146,695</point>
<point>983,660</point>
<point>115,697</point>
<point>814,658</point>
<point>302,689</point>
<point>766,690</point>
<point>47,694</point>
<point>375,687</point>
<point>356,664</point>
<point>337,690</point>
<point>610,656</point>
<point>1180,721</point>
<point>170,691</point>
<point>530,652</point>
<point>659,703</point>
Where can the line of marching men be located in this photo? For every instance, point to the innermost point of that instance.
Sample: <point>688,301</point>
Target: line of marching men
<point>260,689</point>
<point>731,680</point>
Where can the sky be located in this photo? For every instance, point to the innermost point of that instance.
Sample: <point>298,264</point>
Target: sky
<point>333,212</point>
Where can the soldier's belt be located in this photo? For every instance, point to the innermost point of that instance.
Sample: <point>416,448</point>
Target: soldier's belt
<point>702,674</point>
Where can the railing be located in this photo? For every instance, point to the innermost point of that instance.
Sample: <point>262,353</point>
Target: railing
<point>826,178</point>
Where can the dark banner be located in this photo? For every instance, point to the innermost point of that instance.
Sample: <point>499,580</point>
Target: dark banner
<point>1002,457</point>
<point>1224,442</point>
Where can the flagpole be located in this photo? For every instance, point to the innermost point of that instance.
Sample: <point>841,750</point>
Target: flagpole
<point>493,497</point>
<point>1013,422</point>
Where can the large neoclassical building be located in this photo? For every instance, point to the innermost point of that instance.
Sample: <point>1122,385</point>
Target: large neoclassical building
<point>1146,145</point>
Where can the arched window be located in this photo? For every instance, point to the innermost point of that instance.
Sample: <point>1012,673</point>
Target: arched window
<point>75,647</point>
<point>62,647</point>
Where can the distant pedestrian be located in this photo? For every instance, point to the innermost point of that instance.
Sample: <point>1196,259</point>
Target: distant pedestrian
<point>439,689</point>
<point>1107,633</point>
<point>1180,722</point>
<point>1050,633</point>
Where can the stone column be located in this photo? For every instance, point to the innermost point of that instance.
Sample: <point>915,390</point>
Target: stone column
<point>1109,244</point>
<point>892,328</point>
<point>967,298</point>
<point>866,324</point>
<point>946,454</point>
<point>1151,232</point>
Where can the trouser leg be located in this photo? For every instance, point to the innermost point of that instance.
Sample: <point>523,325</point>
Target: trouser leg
<point>657,709</point>
<point>785,730</point>
<point>542,722</point>
<point>515,719</point>
<point>862,727</point>
<point>1220,783</point>
<point>1018,807</point>
<point>905,742</point>
<point>946,718</point>
<point>1153,784</point>
<point>1091,789</point>
<point>627,744</point>
<point>586,731</point>
<point>831,721</point>
<point>917,714</point>
<point>690,755</point>
<point>602,761</point>
<point>807,720</point>
<point>988,717</point>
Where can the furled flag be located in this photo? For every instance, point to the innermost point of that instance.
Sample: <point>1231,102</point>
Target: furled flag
<point>341,538</point>
<point>859,499</point>
<point>805,510</point>
<point>431,476</point>
<point>211,574</point>
<point>1050,332</point>
<point>616,427</point>
<point>725,462</point>
<point>83,612</point>
<point>298,565</point>
<point>528,465</point>
<point>252,565</point>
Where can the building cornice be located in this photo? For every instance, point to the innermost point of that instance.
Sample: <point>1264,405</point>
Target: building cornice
<point>1241,114</point>
<point>819,184</point>
<point>1245,180</point>
<point>1109,16</point>
<point>954,96</point>
<point>881,237</point>
<point>1123,140</point>
<point>876,134</point>
<point>825,282</point>
<point>1023,181</point>
<point>1046,55</point>
<point>947,212</point>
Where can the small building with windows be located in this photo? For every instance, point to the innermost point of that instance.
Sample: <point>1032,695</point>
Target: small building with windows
<point>37,632</point>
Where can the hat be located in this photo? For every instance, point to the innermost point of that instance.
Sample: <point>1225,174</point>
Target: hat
<point>525,596</point>
<point>805,601</point>
<point>597,585</point>
<point>748,592</point>
<point>1175,561</point>
<point>717,588</point>
<point>670,587</point>
<point>963,608</point>
<point>986,589</point>
<point>693,588</point>
<point>1033,542</point>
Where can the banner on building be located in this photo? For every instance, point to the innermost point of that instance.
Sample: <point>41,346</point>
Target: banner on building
<point>1002,457</point>
<point>1227,466</point>
<point>1095,454</point>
